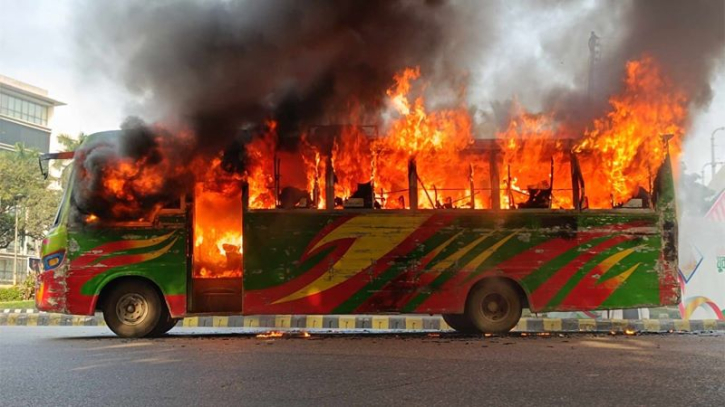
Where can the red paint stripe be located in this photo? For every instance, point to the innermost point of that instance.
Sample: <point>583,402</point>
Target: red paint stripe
<point>451,297</point>
<point>89,256</point>
<point>530,260</point>
<point>259,301</point>
<point>397,292</point>
<point>79,304</point>
<point>668,281</point>
<point>589,293</point>
<point>53,297</point>
<point>542,295</point>
<point>176,304</point>
<point>452,300</point>
<point>117,261</point>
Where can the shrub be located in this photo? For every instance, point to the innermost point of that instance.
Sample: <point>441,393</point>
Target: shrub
<point>14,293</point>
<point>27,288</point>
<point>21,292</point>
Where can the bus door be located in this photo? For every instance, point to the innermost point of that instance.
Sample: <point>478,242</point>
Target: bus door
<point>216,246</point>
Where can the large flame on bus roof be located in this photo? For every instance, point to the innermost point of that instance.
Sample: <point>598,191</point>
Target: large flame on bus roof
<point>436,140</point>
<point>624,148</point>
<point>618,154</point>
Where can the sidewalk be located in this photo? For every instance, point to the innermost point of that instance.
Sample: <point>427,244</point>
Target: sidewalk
<point>381,323</point>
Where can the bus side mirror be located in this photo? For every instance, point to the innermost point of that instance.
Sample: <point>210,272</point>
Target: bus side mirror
<point>43,164</point>
<point>44,160</point>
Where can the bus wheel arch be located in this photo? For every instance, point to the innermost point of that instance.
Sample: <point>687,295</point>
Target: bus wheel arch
<point>134,307</point>
<point>495,304</point>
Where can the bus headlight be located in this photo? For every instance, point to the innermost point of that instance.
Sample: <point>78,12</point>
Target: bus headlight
<point>53,260</point>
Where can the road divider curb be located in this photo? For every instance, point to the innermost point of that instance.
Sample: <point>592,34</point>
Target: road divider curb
<point>19,311</point>
<point>380,323</point>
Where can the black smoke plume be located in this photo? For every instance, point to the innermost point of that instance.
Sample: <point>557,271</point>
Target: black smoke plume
<point>686,38</point>
<point>216,68</point>
<point>147,166</point>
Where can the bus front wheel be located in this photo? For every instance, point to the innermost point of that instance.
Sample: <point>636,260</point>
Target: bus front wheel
<point>133,309</point>
<point>165,324</point>
<point>494,306</point>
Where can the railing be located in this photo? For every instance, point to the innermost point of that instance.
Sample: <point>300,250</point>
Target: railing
<point>6,268</point>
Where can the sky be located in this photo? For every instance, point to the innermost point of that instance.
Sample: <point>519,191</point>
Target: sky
<point>39,45</point>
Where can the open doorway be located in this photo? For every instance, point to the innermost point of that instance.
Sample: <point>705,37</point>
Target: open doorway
<point>216,271</point>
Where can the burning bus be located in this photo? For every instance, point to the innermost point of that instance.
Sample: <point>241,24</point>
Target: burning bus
<point>423,218</point>
<point>315,253</point>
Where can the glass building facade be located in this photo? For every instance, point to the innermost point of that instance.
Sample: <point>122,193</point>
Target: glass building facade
<point>25,114</point>
<point>25,118</point>
<point>24,110</point>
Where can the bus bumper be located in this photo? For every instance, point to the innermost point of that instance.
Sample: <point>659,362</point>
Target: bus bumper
<point>50,292</point>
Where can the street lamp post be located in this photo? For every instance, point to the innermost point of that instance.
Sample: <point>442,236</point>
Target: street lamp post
<point>15,242</point>
<point>702,173</point>
<point>15,249</point>
<point>712,150</point>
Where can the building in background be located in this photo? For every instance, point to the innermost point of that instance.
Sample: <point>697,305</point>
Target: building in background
<point>25,114</point>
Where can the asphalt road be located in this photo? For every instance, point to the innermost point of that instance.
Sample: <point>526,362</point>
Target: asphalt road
<point>77,366</point>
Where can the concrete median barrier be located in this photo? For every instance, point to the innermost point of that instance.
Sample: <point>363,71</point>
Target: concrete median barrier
<point>377,323</point>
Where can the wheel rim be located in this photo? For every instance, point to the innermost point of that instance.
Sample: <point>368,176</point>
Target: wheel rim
<point>132,309</point>
<point>495,306</point>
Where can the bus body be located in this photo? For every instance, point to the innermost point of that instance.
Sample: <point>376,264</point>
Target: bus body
<point>398,261</point>
<point>476,267</point>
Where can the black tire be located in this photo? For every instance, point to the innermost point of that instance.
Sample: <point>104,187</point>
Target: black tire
<point>494,306</point>
<point>460,323</point>
<point>133,309</point>
<point>166,323</point>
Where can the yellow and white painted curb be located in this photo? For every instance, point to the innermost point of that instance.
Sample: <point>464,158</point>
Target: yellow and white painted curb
<point>379,323</point>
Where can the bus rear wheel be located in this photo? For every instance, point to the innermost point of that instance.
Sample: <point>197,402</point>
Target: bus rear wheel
<point>494,306</point>
<point>133,309</point>
<point>460,323</point>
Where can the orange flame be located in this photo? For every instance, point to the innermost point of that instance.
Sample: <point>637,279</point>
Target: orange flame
<point>352,160</point>
<point>260,168</point>
<point>618,154</point>
<point>436,140</point>
<point>625,147</point>
<point>218,225</point>
<point>270,334</point>
<point>528,146</point>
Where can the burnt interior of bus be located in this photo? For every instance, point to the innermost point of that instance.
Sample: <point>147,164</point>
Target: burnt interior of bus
<point>347,168</point>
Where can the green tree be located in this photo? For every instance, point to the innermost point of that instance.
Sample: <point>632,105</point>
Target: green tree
<point>22,188</point>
